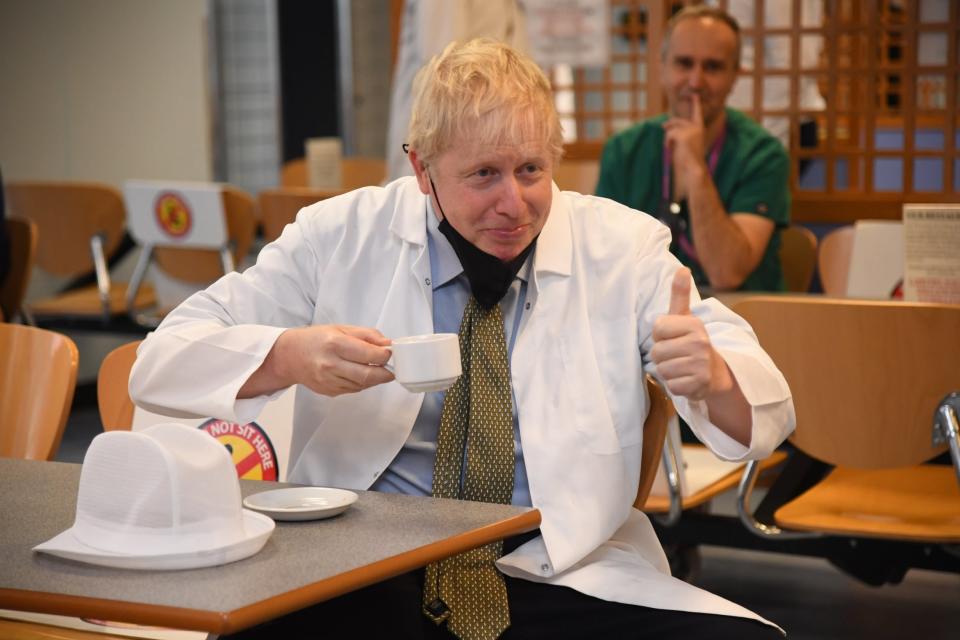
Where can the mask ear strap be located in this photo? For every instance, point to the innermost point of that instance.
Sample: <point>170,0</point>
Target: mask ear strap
<point>436,197</point>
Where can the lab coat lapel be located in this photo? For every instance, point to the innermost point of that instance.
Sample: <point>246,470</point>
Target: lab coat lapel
<point>408,307</point>
<point>573,459</point>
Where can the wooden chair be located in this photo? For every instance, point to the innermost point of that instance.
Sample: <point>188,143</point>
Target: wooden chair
<point>833,260</point>
<point>355,172</point>
<point>798,257</point>
<point>867,378</point>
<point>80,226</point>
<point>23,250</point>
<point>654,432</point>
<point>577,175</point>
<point>113,398</point>
<point>359,172</point>
<point>279,207</point>
<point>38,375</point>
<point>195,265</point>
<point>293,173</point>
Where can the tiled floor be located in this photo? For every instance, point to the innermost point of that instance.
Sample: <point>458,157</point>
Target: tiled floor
<point>812,600</point>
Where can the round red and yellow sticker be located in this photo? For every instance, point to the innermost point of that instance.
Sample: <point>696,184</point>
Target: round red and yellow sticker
<point>253,453</point>
<point>173,214</point>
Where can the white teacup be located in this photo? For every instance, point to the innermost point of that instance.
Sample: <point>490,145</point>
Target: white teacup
<point>426,363</point>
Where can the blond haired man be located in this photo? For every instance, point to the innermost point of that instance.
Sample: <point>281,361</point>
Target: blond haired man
<point>578,296</point>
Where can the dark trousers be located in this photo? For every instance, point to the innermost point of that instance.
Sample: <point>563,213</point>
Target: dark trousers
<point>392,609</point>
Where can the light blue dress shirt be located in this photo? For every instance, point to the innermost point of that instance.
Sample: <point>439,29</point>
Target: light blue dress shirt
<point>411,471</point>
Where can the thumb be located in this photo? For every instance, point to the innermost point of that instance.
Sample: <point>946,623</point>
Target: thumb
<point>680,293</point>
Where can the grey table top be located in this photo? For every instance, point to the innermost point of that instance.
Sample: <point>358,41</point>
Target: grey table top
<point>302,563</point>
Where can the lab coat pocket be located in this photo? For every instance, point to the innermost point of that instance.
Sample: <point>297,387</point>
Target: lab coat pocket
<point>583,397</point>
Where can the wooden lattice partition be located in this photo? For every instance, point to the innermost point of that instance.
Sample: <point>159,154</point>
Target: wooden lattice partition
<point>863,92</point>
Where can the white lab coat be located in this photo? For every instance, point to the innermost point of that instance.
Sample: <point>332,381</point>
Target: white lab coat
<point>601,274</point>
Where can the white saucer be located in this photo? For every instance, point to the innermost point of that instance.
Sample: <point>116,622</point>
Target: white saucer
<point>429,385</point>
<point>301,503</point>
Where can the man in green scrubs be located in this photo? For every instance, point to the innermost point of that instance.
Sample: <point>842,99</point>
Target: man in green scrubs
<point>715,177</point>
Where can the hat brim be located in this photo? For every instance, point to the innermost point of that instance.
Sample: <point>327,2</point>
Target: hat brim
<point>257,527</point>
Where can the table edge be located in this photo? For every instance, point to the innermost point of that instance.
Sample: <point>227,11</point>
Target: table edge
<point>224,622</point>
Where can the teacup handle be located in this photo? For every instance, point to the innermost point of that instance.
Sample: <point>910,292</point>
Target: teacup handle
<point>389,366</point>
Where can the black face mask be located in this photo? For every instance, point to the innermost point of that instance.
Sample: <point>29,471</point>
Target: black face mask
<point>488,275</point>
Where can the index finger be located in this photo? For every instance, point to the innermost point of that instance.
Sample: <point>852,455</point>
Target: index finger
<point>680,293</point>
<point>367,334</point>
<point>696,111</point>
<point>364,346</point>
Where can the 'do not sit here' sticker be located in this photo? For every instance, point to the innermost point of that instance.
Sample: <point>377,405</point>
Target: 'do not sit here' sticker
<point>173,214</point>
<point>249,446</point>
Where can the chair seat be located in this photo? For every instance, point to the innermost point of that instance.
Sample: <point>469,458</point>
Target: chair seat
<point>86,301</point>
<point>661,504</point>
<point>920,503</point>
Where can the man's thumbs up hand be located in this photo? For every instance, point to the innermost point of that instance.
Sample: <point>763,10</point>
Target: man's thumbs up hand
<point>685,358</point>
<point>680,293</point>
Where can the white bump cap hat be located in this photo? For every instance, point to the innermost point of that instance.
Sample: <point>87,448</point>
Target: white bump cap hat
<point>166,497</point>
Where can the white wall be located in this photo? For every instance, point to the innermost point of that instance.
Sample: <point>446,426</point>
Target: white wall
<point>104,90</point>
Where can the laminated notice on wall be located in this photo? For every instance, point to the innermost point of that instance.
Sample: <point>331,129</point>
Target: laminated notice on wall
<point>573,32</point>
<point>931,242</point>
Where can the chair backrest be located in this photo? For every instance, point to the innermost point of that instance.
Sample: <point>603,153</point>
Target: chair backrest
<point>577,175</point>
<point>22,235</point>
<point>38,375</point>
<point>355,172</point>
<point>67,215</point>
<point>293,173</point>
<point>876,260</point>
<point>866,376</point>
<point>201,265</point>
<point>113,397</point>
<point>833,260</point>
<point>279,207</point>
<point>654,433</point>
<point>798,257</point>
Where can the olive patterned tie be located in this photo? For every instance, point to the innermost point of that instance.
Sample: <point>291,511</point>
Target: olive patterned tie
<point>476,425</point>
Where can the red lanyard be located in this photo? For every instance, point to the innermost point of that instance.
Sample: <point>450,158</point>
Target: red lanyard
<point>713,157</point>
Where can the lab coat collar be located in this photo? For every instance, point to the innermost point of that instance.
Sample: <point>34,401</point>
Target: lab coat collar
<point>409,221</point>
<point>554,253</point>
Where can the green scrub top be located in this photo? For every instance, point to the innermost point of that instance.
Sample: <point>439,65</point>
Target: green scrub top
<point>751,176</point>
